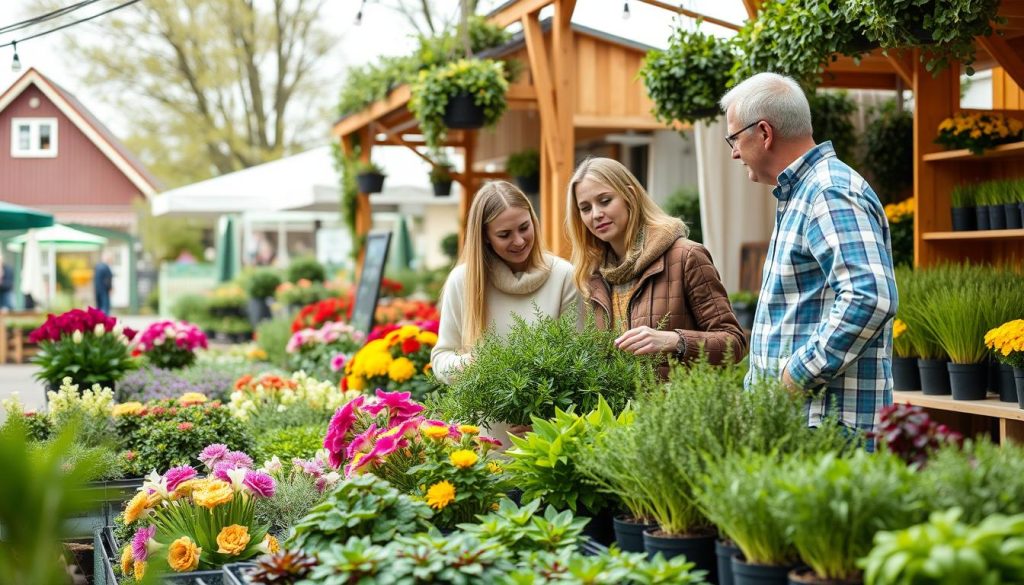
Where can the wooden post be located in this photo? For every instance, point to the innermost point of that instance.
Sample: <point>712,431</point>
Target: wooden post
<point>470,184</point>
<point>563,154</point>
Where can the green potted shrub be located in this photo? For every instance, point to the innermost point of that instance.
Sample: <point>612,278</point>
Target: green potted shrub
<point>744,304</point>
<point>962,198</point>
<point>981,478</point>
<point>260,285</point>
<point>684,203</point>
<point>686,80</point>
<point>306,268</point>
<point>944,29</point>
<point>889,151</point>
<point>915,286</point>
<point>468,93</point>
<point>524,166</point>
<point>370,177</point>
<point>441,179</point>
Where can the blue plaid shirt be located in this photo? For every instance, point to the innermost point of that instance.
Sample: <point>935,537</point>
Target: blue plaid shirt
<point>828,295</point>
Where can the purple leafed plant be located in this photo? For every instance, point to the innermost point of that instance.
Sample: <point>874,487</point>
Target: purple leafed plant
<point>911,434</point>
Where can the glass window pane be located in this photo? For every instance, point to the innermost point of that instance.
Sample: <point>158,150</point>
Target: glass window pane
<point>44,136</point>
<point>24,137</point>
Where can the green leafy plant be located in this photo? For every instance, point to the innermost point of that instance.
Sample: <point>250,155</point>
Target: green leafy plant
<point>889,151</point>
<point>945,550</point>
<point>483,79</point>
<point>684,203</point>
<point>743,297</point>
<point>260,284</point>
<point>295,495</point>
<point>835,505</point>
<point>831,113</point>
<point>543,462</point>
<point>307,268</point>
<point>368,167</point>
<point>86,358</point>
<point>373,82</point>
<point>686,80</point>
<point>964,196</point>
<point>525,163</point>
<point>441,173</point>
<point>361,506</point>
<point>914,287</point>
<point>191,308</point>
<point>291,441</point>
<point>539,367</point>
<point>450,247</point>
<point>521,529</point>
<point>981,479</point>
<point>946,30</point>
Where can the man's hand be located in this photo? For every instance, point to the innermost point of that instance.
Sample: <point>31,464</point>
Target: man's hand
<point>789,383</point>
<point>644,340</point>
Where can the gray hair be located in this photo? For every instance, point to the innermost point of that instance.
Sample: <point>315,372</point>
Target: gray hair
<point>776,99</point>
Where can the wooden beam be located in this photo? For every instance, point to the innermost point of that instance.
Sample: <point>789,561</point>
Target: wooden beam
<point>1007,58</point>
<point>563,153</point>
<point>514,11</point>
<point>399,141</point>
<point>903,65</point>
<point>692,14</point>
<point>468,182</point>
<point>521,92</point>
<point>852,80</point>
<point>752,6</point>
<point>397,99</point>
<point>541,74</point>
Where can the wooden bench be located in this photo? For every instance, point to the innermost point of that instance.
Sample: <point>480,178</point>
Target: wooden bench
<point>14,347</point>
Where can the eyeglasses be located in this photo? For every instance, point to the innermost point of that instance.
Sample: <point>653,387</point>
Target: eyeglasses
<point>731,139</point>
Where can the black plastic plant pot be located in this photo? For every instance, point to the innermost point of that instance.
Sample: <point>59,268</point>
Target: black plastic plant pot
<point>442,188</point>
<point>981,214</point>
<point>996,217</point>
<point>1005,385</point>
<point>1018,380</point>
<point>968,381</point>
<point>725,550</point>
<point>698,549</point>
<point>238,573</point>
<point>600,528</point>
<point>744,315</point>
<point>370,182</point>
<point>1021,205</point>
<point>934,377</point>
<point>1014,221</point>
<point>905,374</point>
<point>744,573</point>
<point>463,113</point>
<point>965,219</point>
<point>806,576</point>
<point>629,534</point>
<point>529,184</point>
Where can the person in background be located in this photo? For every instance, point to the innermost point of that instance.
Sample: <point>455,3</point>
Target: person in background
<point>103,282</point>
<point>823,324</point>
<point>6,287</point>
<point>641,275</point>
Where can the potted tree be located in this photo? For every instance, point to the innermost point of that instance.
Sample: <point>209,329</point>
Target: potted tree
<point>441,179</point>
<point>370,177</point>
<point>686,80</point>
<point>468,93</point>
<point>524,166</point>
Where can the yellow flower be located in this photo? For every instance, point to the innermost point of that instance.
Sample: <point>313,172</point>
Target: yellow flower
<point>898,328</point>
<point>139,570</point>
<point>469,429</point>
<point>427,338</point>
<point>494,467</point>
<point>190,398</point>
<point>127,408</point>
<point>270,545</point>
<point>463,458</point>
<point>408,332</point>
<point>401,369</point>
<point>126,560</point>
<point>435,431</point>
<point>233,539</point>
<point>376,364</point>
<point>183,555</point>
<point>186,488</point>
<point>213,494</point>
<point>256,354</point>
<point>138,507</point>
<point>440,495</point>
<point>356,382</point>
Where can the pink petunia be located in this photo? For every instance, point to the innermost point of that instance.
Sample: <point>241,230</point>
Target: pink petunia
<point>363,442</point>
<point>176,475</point>
<point>260,484</point>
<point>338,362</point>
<point>397,404</point>
<point>142,543</point>
<point>337,431</point>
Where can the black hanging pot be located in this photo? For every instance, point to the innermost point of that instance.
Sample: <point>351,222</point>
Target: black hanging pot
<point>905,374</point>
<point>934,377</point>
<point>964,219</point>
<point>996,217</point>
<point>1014,221</point>
<point>463,113</point>
<point>370,182</point>
<point>698,549</point>
<point>629,533</point>
<point>442,188</point>
<point>981,214</point>
<point>529,184</point>
<point>968,381</point>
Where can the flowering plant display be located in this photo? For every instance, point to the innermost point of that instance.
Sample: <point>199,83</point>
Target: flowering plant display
<point>227,300</point>
<point>170,344</point>
<point>398,361</point>
<point>185,523</point>
<point>272,396</point>
<point>400,310</point>
<point>92,408</point>
<point>304,292</point>
<point>318,313</point>
<point>323,352</point>
<point>302,484</point>
<point>977,131</point>
<point>1007,341</point>
<point>901,231</point>
<point>88,346</point>
<point>901,346</point>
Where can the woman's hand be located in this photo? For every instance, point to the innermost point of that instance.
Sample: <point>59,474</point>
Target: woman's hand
<point>645,340</point>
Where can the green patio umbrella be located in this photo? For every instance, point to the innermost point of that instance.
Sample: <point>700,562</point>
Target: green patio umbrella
<point>229,260</point>
<point>16,217</point>
<point>402,256</point>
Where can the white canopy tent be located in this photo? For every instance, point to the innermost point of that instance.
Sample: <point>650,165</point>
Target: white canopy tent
<point>51,240</point>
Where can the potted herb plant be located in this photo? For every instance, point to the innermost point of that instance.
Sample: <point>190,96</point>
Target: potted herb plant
<point>468,93</point>
<point>524,166</point>
<point>915,286</point>
<point>686,80</point>
<point>370,177</point>
<point>963,202</point>
<point>441,179</point>
<point>744,304</point>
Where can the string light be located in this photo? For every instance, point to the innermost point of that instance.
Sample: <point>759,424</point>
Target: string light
<point>359,15</point>
<point>625,10</point>
<point>16,63</point>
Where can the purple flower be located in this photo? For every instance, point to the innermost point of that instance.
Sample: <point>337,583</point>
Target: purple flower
<point>313,468</point>
<point>238,459</point>
<point>213,454</point>
<point>140,543</point>
<point>220,471</point>
<point>176,475</point>
<point>259,483</point>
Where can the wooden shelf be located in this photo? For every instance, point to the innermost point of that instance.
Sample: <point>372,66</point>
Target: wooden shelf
<point>976,235</point>
<point>990,406</point>
<point>1014,149</point>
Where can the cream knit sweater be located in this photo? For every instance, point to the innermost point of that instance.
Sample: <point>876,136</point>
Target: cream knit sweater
<point>508,293</point>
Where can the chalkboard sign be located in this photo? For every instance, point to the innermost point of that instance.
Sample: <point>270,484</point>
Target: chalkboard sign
<point>368,292</point>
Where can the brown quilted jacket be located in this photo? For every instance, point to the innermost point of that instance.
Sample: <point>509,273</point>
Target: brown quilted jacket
<point>682,287</point>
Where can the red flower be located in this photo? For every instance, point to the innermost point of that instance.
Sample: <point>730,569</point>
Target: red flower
<point>410,345</point>
<point>129,455</point>
<point>185,426</point>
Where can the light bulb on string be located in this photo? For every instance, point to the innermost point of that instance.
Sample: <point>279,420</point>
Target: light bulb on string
<point>625,10</point>
<point>16,63</point>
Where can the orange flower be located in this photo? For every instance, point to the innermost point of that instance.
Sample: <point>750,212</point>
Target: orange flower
<point>233,539</point>
<point>183,555</point>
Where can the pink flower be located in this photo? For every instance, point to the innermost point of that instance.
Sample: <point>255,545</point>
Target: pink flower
<point>312,468</point>
<point>220,471</point>
<point>141,543</point>
<point>238,459</point>
<point>487,441</point>
<point>259,483</point>
<point>363,442</point>
<point>384,447</point>
<point>338,362</point>
<point>185,426</point>
<point>338,430</point>
<point>398,405</point>
<point>176,475</point>
<point>212,454</point>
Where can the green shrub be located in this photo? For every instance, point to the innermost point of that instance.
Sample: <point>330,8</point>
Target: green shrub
<point>295,495</point>
<point>288,442</point>
<point>831,119</point>
<point>889,151</point>
<point>191,308</point>
<point>686,80</point>
<point>525,163</point>
<point>981,479</point>
<point>261,283</point>
<point>450,247</point>
<point>684,203</point>
<point>272,336</point>
<point>306,268</point>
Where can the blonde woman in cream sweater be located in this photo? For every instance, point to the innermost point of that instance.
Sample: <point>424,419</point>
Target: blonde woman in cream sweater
<point>503,271</point>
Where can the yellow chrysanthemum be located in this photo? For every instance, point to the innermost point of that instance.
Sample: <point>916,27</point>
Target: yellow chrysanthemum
<point>440,495</point>
<point>435,431</point>
<point>189,398</point>
<point>469,429</point>
<point>898,328</point>
<point>137,507</point>
<point>401,369</point>
<point>233,539</point>
<point>494,467</point>
<point>186,488</point>
<point>183,555</point>
<point>126,561</point>
<point>127,408</point>
<point>139,570</point>
<point>356,382</point>
<point>376,364</point>
<point>427,338</point>
<point>408,332</point>
<point>463,458</point>
<point>213,494</point>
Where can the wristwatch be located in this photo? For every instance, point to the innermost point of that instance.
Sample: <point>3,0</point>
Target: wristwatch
<point>680,345</point>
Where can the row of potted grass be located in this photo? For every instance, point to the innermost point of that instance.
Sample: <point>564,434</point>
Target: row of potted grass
<point>944,316</point>
<point>992,205</point>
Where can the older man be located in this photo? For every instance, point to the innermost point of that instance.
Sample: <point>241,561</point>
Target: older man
<point>828,295</point>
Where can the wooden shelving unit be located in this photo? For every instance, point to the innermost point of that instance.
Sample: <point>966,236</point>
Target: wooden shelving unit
<point>1015,149</point>
<point>974,235</point>
<point>1004,419</point>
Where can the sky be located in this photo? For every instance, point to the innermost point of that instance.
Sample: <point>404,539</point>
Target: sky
<point>382,32</point>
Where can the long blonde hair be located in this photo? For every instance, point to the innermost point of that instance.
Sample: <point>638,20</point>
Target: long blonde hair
<point>587,250</point>
<point>490,201</point>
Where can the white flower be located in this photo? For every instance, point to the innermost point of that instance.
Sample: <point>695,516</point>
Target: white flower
<point>118,328</point>
<point>331,478</point>
<point>272,465</point>
<point>157,483</point>
<point>237,477</point>
<point>98,330</point>
<point>76,336</point>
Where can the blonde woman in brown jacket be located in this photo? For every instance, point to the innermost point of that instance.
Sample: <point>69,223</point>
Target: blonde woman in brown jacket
<point>640,274</point>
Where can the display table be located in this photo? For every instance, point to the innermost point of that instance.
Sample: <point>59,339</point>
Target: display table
<point>1001,420</point>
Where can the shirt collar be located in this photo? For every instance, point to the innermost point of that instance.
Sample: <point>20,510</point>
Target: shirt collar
<point>798,169</point>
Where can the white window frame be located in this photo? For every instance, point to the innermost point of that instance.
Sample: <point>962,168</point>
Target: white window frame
<point>34,125</point>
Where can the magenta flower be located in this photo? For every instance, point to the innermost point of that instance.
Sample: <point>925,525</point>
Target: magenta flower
<point>220,471</point>
<point>355,466</point>
<point>308,467</point>
<point>397,404</point>
<point>238,459</point>
<point>141,543</point>
<point>212,454</point>
<point>384,447</point>
<point>259,483</point>
<point>337,431</point>
<point>338,362</point>
<point>363,442</point>
<point>176,475</point>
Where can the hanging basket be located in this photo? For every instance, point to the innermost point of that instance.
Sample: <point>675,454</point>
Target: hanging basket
<point>442,188</point>
<point>370,182</point>
<point>462,113</point>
